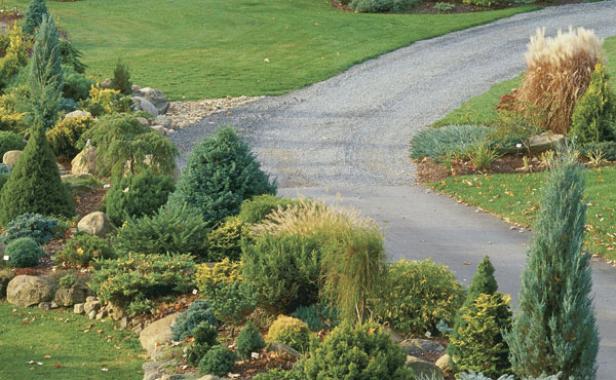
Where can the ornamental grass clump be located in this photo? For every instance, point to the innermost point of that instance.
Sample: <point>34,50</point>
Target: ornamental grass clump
<point>559,71</point>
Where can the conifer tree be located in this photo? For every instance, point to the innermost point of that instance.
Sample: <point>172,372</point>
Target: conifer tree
<point>46,75</point>
<point>221,173</point>
<point>477,343</point>
<point>554,330</point>
<point>483,281</point>
<point>34,184</point>
<point>34,16</point>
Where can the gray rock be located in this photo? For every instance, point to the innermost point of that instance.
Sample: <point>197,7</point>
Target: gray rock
<point>84,162</point>
<point>53,305</point>
<point>445,364</point>
<point>70,296</point>
<point>101,314</point>
<point>95,223</point>
<point>423,368</point>
<point>155,97</point>
<point>545,141</point>
<point>92,314</point>
<point>124,322</point>
<point>107,83</point>
<point>10,158</point>
<point>90,306</point>
<point>91,298</point>
<point>44,305</point>
<point>143,121</point>
<point>6,275</point>
<point>210,377</point>
<point>285,349</point>
<point>419,347</point>
<point>76,114</point>
<point>78,308</point>
<point>142,104</point>
<point>163,120</point>
<point>26,290</point>
<point>157,333</point>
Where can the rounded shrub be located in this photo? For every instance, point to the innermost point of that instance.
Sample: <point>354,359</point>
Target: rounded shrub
<point>36,226</point>
<point>138,195</point>
<point>172,229</point>
<point>257,208</point>
<point>249,340</point>
<point>10,141</point>
<point>217,361</point>
<point>220,174</point>
<point>418,295</point>
<point>63,137</point>
<point>225,241</point>
<point>75,86</point>
<point>357,352</point>
<point>23,253</point>
<point>283,271</point>
<point>82,249</point>
<point>205,337</point>
<point>198,312</point>
<point>290,331</point>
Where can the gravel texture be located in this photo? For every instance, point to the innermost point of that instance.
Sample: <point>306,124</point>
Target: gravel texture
<point>345,140</point>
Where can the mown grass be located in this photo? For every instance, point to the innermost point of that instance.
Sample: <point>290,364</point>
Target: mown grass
<point>515,197</point>
<point>196,49</point>
<point>69,346</point>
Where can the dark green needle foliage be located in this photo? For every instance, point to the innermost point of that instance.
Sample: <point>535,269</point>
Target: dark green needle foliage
<point>483,281</point>
<point>221,173</point>
<point>121,78</point>
<point>34,16</point>
<point>555,329</point>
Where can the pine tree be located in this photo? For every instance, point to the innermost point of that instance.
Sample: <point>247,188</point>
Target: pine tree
<point>121,78</point>
<point>483,281</point>
<point>554,330</point>
<point>34,16</point>
<point>46,75</point>
<point>477,343</point>
<point>221,173</point>
<point>34,184</point>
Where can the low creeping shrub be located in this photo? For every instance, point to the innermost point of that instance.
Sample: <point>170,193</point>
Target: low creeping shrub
<point>41,229</point>
<point>134,282</point>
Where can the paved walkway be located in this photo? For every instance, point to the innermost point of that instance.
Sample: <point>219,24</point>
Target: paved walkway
<point>345,140</point>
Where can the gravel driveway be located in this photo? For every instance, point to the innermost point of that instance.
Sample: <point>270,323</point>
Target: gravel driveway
<point>345,140</point>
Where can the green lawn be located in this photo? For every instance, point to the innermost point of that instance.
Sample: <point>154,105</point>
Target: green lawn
<point>69,346</point>
<point>516,199</point>
<point>482,109</point>
<point>196,49</point>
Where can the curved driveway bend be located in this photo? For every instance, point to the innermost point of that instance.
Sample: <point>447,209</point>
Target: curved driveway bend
<point>345,140</point>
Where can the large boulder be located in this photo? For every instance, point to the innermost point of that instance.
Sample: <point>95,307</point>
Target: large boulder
<point>84,163</point>
<point>6,275</point>
<point>421,347</point>
<point>155,97</point>
<point>77,114</point>
<point>95,223</point>
<point>445,364</point>
<point>545,141</point>
<point>142,104</point>
<point>26,290</point>
<point>10,158</point>
<point>424,368</point>
<point>157,333</point>
<point>70,296</point>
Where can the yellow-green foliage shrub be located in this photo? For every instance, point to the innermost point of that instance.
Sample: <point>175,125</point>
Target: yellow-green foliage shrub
<point>63,137</point>
<point>14,58</point>
<point>107,101</point>
<point>225,240</point>
<point>594,116</point>
<point>559,71</point>
<point>418,295</point>
<point>224,272</point>
<point>479,343</point>
<point>290,331</point>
